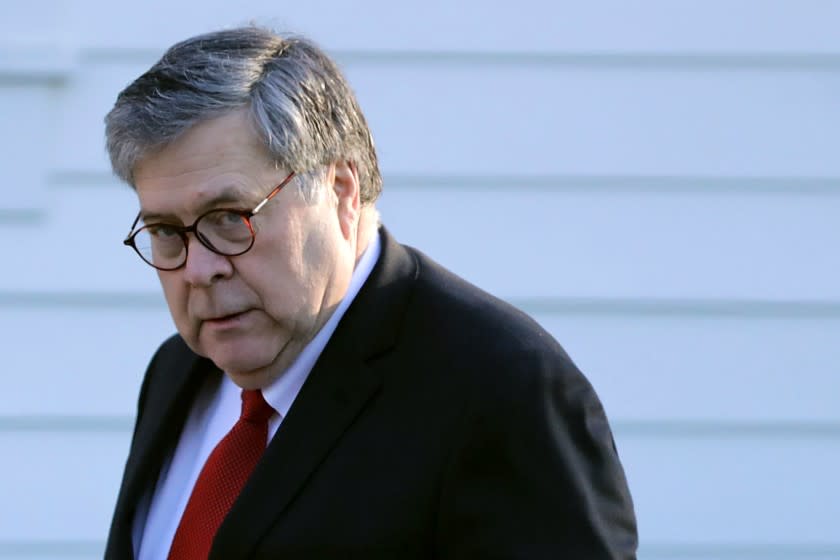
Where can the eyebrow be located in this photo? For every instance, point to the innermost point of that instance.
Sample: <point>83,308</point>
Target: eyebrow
<point>229,196</point>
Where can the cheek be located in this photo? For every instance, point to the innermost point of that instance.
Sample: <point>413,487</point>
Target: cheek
<point>277,267</point>
<point>176,298</point>
<point>170,288</point>
<point>319,250</point>
<point>285,289</point>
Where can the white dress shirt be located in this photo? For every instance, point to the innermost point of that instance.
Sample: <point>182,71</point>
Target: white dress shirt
<point>214,412</point>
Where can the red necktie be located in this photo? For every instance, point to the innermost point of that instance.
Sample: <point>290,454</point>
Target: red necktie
<point>222,479</point>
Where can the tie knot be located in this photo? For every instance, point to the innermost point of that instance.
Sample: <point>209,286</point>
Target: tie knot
<point>254,407</point>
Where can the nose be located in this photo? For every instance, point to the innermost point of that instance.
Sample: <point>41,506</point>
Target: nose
<point>203,266</point>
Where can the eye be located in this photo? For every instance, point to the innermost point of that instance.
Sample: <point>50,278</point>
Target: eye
<point>225,219</point>
<point>162,231</point>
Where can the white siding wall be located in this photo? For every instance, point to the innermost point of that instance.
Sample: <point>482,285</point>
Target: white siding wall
<point>655,181</point>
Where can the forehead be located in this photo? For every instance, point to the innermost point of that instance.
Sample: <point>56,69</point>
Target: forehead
<point>215,157</point>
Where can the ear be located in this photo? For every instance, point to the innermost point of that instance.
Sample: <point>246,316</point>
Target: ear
<point>346,190</point>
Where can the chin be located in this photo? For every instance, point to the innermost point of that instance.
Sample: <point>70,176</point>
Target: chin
<point>250,380</point>
<point>249,366</point>
<point>251,358</point>
<point>238,363</point>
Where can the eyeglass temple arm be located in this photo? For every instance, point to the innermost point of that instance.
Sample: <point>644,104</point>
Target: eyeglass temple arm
<point>273,193</point>
<point>265,201</point>
<point>131,229</point>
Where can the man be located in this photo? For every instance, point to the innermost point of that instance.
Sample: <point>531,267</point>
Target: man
<point>330,393</point>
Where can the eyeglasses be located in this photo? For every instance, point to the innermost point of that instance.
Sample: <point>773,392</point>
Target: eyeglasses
<point>224,231</point>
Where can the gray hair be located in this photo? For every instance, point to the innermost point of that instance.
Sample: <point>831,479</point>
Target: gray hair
<point>297,98</point>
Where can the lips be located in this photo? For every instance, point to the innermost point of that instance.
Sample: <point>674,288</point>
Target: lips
<point>224,319</point>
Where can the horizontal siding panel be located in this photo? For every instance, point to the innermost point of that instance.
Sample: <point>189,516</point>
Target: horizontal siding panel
<point>698,492</point>
<point>87,361</point>
<point>543,244</point>
<point>529,25</point>
<point>634,245</point>
<point>86,99</point>
<point>60,486</point>
<point>803,551</point>
<point>31,64</point>
<point>536,120</point>
<point>577,120</point>
<point>79,243</point>
<point>763,373</point>
<point>52,550</point>
<point>26,136</point>
<point>775,491</point>
<point>707,369</point>
<point>34,21</point>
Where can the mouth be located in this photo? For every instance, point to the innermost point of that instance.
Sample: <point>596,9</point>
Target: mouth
<point>225,320</point>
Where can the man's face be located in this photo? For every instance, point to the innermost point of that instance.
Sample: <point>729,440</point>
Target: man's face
<point>251,314</point>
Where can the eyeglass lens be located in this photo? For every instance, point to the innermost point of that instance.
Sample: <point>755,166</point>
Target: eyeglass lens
<point>221,231</point>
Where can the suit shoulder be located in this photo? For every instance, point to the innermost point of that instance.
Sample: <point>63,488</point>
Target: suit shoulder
<point>444,298</point>
<point>486,345</point>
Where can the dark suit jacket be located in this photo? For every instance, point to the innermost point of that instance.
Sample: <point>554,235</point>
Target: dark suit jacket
<point>439,422</point>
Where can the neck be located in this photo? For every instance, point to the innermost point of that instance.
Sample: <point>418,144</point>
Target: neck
<point>366,229</point>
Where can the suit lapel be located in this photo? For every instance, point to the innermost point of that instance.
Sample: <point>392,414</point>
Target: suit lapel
<point>342,382</point>
<point>172,386</point>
